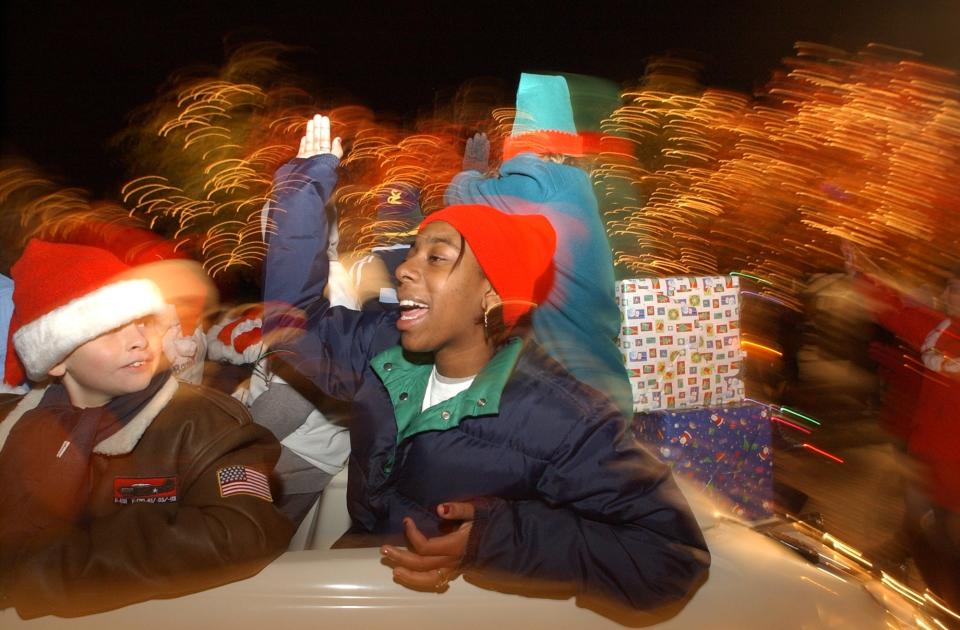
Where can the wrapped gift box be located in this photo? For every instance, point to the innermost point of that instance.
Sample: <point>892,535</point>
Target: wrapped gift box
<point>725,450</point>
<point>680,340</point>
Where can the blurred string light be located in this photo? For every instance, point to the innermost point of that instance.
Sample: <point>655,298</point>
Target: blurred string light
<point>847,550</point>
<point>210,144</point>
<point>862,147</point>
<point>797,414</point>
<point>935,601</point>
<point>747,345</point>
<point>792,425</point>
<point>34,206</point>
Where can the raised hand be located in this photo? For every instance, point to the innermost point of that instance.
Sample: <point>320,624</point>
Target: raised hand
<point>316,140</point>
<point>476,155</point>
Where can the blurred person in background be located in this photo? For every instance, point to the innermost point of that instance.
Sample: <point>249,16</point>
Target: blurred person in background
<point>933,508</point>
<point>311,427</point>
<point>373,275</point>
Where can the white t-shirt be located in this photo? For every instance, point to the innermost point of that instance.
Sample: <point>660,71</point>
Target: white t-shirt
<point>441,388</point>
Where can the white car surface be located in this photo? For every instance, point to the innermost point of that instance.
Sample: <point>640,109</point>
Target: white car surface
<point>755,582</point>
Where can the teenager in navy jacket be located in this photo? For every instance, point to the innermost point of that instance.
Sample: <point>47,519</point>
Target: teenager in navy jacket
<point>524,475</point>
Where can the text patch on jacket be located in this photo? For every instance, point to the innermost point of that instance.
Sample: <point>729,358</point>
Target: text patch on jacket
<point>144,490</point>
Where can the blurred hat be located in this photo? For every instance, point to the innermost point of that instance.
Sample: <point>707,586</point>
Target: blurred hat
<point>594,100</point>
<point>66,295</point>
<point>544,122</point>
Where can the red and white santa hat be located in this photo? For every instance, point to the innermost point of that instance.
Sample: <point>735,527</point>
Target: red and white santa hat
<point>65,295</point>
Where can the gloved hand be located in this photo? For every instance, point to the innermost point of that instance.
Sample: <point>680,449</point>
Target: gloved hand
<point>476,155</point>
<point>237,338</point>
<point>184,352</point>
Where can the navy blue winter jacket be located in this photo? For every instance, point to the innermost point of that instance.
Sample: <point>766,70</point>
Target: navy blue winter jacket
<point>568,498</point>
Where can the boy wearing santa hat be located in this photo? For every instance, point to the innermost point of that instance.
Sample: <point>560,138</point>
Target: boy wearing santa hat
<point>118,483</point>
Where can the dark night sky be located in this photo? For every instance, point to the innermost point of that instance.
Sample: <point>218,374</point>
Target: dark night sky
<point>72,71</point>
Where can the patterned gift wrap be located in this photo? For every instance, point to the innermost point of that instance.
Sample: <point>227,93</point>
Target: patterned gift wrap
<point>725,450</point>
<point>680,340</point>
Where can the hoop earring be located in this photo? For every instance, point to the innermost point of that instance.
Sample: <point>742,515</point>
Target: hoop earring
<point>486,314</point>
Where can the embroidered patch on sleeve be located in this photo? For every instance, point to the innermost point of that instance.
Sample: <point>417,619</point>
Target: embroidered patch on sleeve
<point>243,480</point>
<point>128,490</point>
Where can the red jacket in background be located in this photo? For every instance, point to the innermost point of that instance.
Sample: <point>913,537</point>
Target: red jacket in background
<point>935,438</point>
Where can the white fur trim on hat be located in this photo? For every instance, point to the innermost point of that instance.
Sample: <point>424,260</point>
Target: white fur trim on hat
<point>48,340</point>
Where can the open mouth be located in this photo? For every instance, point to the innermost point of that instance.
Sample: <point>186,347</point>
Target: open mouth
<point>411,312</point>
<point>135,365</point>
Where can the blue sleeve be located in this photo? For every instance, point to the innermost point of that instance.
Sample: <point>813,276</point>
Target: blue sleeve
<point>6,313</point>
<point>611,525</point>
<point>328,345</point>
<point>458,191</point>
<point>296,268</point>
<point>523,178</point>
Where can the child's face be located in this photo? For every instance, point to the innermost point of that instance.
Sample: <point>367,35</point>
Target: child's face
<point>441,293</point>
<point>118,362</point>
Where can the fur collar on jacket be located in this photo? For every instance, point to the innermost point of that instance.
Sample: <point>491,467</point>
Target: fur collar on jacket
<point>121,442</point>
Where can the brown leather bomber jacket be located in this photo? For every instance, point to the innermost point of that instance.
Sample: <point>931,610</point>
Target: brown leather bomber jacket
<point>167,514</point>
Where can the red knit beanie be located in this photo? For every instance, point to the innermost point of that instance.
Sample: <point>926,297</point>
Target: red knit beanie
<point>65,295</point>
<point>515,252</point>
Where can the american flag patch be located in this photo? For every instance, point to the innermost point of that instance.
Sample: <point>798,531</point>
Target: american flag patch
<point>243,480</point>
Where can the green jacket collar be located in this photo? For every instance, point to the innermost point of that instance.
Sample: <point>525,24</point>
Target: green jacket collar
<point>406,382</point>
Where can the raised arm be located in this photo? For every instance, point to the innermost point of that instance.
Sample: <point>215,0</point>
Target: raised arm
<point>522,179</point>
<point>476,154</point>
<point>328,345</point>
<point>297,268</point>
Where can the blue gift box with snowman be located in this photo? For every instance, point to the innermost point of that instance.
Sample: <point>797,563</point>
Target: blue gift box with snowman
<point>726,450</point>
<point>680,340</point>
